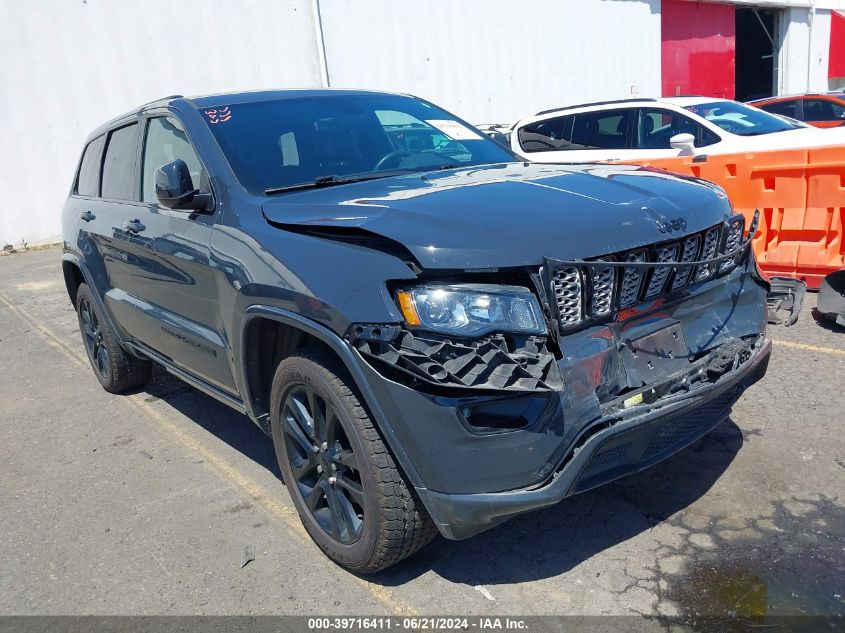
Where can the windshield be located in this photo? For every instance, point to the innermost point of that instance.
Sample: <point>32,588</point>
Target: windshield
<point>741,119</point>
<point>278,144</point>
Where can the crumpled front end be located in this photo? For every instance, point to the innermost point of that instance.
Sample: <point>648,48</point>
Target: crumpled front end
<point>638,363</point>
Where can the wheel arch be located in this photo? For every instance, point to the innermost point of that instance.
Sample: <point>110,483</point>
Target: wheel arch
<point>74,276</point>
<point>286,331</point>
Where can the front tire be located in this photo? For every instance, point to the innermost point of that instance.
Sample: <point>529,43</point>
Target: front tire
<point>116,370</point>
<point>346,486</point>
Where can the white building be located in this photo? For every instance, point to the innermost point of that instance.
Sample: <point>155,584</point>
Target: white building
<point>67,66</point>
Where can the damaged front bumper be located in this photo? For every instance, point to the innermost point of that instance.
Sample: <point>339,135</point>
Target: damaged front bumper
<point>628,441</point>
<point>482,455</point>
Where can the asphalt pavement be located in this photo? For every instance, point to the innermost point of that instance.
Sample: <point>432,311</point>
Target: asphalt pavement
<point>145,503</point>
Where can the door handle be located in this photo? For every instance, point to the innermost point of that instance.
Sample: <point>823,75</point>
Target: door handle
<point>86,216</point>
<point>133,226</point>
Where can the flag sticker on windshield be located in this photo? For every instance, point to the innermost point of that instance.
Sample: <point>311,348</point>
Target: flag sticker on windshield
<point>453,129</point>
<point>218,115</point>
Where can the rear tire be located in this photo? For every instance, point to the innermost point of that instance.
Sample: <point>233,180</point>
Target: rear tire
<point>116,370</point>
<point>345,484</point>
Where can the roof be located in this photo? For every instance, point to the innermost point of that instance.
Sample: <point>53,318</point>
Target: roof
<point>797,95</point>
<point>224,98</point>
<point>682,102</point>
<point>207,101</point>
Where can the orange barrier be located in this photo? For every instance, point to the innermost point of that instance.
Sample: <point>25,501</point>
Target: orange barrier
<point>801,198</point>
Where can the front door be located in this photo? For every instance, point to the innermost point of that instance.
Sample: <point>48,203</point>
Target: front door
<point>182,290</point>
<point>655,129</point>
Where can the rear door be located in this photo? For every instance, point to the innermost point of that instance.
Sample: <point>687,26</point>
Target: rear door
<point>112,236</point>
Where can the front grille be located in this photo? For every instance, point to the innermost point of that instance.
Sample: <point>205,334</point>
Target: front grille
<point>593,291</point>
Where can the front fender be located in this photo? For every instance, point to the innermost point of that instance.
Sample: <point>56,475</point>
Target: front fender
<point>348,358</point>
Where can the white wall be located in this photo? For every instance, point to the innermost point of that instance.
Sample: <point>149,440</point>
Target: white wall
<point>68,65</point>
<point>804,51</point>
<point>496,60</point>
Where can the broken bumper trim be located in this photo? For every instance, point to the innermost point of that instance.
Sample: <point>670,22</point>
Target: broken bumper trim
<point>628,446</point>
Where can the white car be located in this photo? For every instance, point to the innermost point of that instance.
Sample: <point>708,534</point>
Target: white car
<point>637,129</point>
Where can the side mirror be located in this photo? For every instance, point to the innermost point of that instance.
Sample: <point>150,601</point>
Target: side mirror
<point>683,142</point>
<point>175,189</point>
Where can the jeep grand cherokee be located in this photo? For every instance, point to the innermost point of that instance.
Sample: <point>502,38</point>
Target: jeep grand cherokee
<point>436,335</point>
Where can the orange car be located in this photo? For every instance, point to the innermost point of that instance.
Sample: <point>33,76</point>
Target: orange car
<point>819,110</point>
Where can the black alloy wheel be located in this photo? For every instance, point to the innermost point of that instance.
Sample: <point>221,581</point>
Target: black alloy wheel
<point>323,463</point>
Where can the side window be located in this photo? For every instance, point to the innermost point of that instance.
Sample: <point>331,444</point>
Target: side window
<point>786,108</point>
<point>602,130</point>
<point>822,110</point>
<point>119,163</point>
<point>657,127</point>
<point>88,182</point>
<point>547,136</point>
<point>166,141</point>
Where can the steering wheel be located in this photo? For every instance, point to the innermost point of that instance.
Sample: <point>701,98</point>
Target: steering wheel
<point>399,153</point>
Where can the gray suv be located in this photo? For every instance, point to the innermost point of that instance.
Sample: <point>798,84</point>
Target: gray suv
<point>436,335</point>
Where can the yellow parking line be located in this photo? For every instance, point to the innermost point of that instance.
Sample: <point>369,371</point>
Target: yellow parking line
<point>255,491</point>
<point>809,348</point>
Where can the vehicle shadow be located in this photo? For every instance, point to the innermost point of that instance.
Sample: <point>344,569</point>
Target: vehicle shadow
<point>552,541</point>
<point>826,323</point>
<point>542,544</point>
<point>235,429</point>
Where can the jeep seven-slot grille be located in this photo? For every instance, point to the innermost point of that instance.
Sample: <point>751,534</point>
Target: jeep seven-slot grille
<point>592,292</point>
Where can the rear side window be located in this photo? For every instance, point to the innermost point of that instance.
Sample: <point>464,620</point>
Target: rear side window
<point>605,129</point>
<point>119,163</point>
<point>547,136</point>
<point>602,129</point>
<point>786,108</point>
<point>88,183</point>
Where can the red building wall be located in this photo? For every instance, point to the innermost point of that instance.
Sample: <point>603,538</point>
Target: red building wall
<point>698,48</point>
<point>836,67</point>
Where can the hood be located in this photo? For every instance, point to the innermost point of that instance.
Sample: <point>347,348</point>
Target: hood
<point>801,138</point>
<point>509,215</point>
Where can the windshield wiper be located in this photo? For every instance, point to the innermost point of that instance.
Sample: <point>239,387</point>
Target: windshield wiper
<point>331,181</point>
<point>322,181</point>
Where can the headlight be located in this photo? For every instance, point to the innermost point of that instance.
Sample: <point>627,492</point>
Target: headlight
<point>471,309</point>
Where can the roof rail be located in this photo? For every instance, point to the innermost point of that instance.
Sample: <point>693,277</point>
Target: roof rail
<point>595,103</point>
<point>167,98</point>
